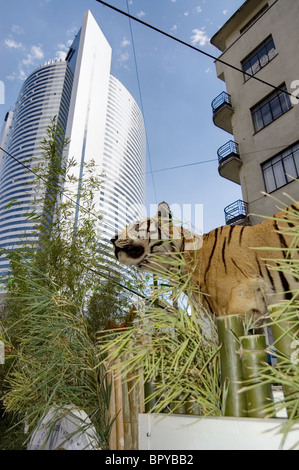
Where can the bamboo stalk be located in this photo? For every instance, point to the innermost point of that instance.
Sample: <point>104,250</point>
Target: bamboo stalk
<point>134,408</point>
<point>111,413</point>
<point>141,392</point>
<point>191,407</point>
<point>285,332</point>
<point>230,328</point>
<point>119,410</point>
<point>254,358</point>
<point>126,417</point>
<point>179,410</point>
<point>149,388</point>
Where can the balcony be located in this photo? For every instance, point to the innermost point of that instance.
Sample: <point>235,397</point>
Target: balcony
<point>229,161</point>
<point>236,213</point>
<point>222,112</point>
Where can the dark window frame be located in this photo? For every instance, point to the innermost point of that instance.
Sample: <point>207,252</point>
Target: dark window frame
<point>259,58</point>
<point>281,169</point>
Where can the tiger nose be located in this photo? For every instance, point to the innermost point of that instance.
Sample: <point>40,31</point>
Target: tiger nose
<point>113,240</point>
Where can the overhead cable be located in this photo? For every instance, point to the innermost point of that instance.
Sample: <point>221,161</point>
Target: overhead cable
<point>184,43</point>
<point>141,104</point>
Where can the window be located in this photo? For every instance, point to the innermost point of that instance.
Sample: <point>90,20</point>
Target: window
<point>282,168</point>
<point>271,108</point>
<point>258,58</point>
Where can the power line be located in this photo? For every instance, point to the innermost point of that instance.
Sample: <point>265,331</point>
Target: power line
<point>169,168</point>
<point>158,170</point>
<point>184,43</point>
<point>28,168</point>
<point>61,192</point>
<point>211,160</point>
<point>185,165</point>
<point>141,104</point>
<point>75,202</point>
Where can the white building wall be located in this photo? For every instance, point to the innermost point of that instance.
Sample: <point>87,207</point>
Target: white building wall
<point>280,21</point>
<point>123,190</point>
<point>5,132</point>
<point>87,113</point>
<point>106,125</point>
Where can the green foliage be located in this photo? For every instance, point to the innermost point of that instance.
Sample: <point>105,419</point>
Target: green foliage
<point>55,360</point>
<point>58,299</point>
<point>50,291</point>
<point>284,320</point>
<point>108,304</point>
<point>168,348</point>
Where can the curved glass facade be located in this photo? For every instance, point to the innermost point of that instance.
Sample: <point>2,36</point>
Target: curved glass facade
<point>45,93</point>
<point>122,193</point>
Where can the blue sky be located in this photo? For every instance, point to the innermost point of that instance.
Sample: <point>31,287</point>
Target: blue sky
<point>177,84</point>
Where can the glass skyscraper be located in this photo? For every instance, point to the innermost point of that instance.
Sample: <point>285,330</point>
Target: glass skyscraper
<point>45,93</point>
<point>102,121</point>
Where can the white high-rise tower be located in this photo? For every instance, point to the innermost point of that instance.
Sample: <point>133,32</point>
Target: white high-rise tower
<point>105,124</point>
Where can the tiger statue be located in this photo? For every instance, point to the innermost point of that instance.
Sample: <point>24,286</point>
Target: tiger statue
<point>232,267</point>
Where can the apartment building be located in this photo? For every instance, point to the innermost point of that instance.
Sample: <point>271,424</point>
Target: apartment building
<point>259,109</point>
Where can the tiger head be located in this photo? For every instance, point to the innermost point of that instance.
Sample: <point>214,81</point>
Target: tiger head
<point>151,243</point>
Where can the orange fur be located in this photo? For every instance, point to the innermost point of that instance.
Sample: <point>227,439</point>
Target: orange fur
<point>232,267</point>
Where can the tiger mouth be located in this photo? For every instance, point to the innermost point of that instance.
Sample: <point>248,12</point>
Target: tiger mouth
<point>134,251</point>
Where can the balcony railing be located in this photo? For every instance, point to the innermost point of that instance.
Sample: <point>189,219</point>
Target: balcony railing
<point>236,213</point>
<point>228,150</point>
<point>222,112</point>
<point>229,161</point>
<point>221,100</point>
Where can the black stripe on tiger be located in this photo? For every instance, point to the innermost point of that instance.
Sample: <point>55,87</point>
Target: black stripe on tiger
<point>241,234</point>
<point>182,249</point>
<point>295,208</point>
<point>223,255</point>
<point>230,233</point>
<point>270,278</point>
<point>281,239</point>
<point>259,266</point>
<point>288,214</point>
<point>148,229</point>
<point>156,244</point>
<point>285,285</point>
<point>159,231</point>
<point>290,224</point>
<point>212,253</point>
<point>208,303</point>
<point>238,267</point>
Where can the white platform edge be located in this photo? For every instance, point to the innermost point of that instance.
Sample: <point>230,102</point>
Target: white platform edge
<point>185,432</point>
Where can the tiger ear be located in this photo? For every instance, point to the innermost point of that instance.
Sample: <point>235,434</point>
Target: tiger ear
<point>164,212</point>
